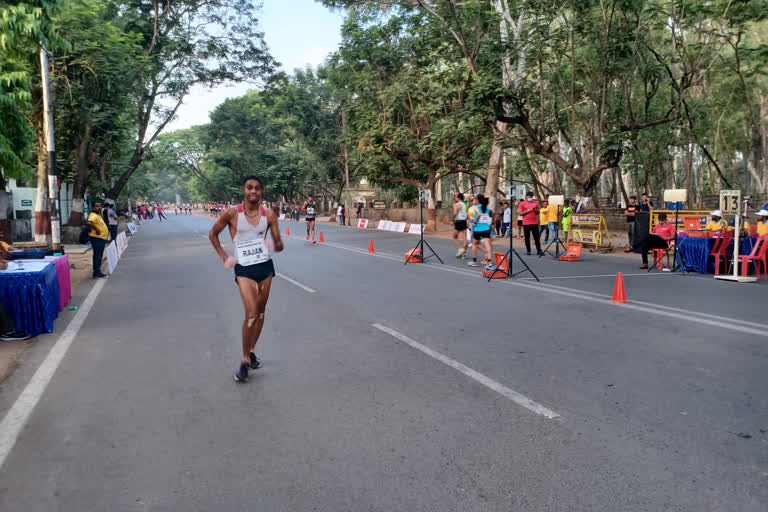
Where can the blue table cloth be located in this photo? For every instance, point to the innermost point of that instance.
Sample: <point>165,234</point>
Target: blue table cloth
<point>695,252</point>
<point>31,295</point>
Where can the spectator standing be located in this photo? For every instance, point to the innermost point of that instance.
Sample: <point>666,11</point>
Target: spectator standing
<point>343,215</point>
<point>646,205</point>
<point>359,209</point>
<point>544,220</point>
<point>567,218</point>
<point>112,222</point>
<point>630,212</point>
<point>519,221</point>
<point>97,233</point>
<point>552,217</point>
<point>506,230</point>
<point>340,214</point>
<point>529,209</point>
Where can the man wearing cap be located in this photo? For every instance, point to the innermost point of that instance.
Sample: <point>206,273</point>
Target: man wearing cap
<point>529,209</point>
<point>716,224</point>
<point>762,222</point>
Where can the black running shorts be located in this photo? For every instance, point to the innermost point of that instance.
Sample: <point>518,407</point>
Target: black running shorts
<point>258,272</point>
<point>460,225</point>
<point>479,235</point>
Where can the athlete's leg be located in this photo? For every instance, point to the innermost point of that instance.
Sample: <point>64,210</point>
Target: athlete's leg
<point>456,239</point>
<point>261,307</point>
<point>308,223</point>
<point>313,230</point>
<point>249,292</point>
<point>488,246</point>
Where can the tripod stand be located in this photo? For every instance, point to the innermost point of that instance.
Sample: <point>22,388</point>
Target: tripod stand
<point>508,258</point>
<point>558,243</point>
<point>420,245</point>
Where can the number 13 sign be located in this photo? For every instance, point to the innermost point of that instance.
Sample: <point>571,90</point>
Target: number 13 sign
<point>730,200</point>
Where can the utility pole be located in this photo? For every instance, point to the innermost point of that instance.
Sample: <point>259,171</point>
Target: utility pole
<point>53,181</point>
<point>346,165</point>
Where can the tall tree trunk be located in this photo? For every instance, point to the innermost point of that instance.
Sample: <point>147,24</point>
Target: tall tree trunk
<point>81,180</point>
<point>42,215</point>
<point>494,166</point>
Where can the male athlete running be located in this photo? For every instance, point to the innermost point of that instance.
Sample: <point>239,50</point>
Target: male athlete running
<point>253,265</point>
<point>309,207</point>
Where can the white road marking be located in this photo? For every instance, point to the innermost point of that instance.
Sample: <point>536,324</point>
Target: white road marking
<point>727,323</point>
<point>19,413</point>
<point>592,276</point>
<point>472,374</point>
<point>292,281</point>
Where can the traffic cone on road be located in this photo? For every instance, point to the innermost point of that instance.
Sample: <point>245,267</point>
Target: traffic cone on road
<point>619,295</point>
<point>287,231</point>
<point>322,238</point>
<point>370,246</point>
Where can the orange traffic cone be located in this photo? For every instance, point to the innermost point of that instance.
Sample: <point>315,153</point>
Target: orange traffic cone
<point>287,231</point>
<point>370,246</point>
<point>322,238</point>
<point>619,295</point>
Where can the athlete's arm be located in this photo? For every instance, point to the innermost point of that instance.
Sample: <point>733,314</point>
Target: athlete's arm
<point>221,223</point>
<point>272,219</point>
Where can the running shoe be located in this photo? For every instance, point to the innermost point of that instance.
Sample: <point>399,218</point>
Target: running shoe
<point>460,253</point>
<point>99,276</point>
<point>472,263</point>
<point>242,374</point>
<point>314,241</point>
<point>486,261</point>
<point>14,336</point>
<point>255,363</point>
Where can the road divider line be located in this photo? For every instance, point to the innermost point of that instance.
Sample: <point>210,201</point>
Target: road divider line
<point>18,415</point>
<point>472,374</point>
<point>293,281</point>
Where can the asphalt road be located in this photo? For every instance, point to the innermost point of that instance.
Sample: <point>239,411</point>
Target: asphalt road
<point>391,387</point>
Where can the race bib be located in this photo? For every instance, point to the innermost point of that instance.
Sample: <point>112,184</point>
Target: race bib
<point>462,215</point>
<point>485,219</point>
<point>251,252</point>
<point>311,212</point>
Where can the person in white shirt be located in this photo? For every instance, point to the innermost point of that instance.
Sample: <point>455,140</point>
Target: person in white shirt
<point>506,220</point>
<point>340,214</point>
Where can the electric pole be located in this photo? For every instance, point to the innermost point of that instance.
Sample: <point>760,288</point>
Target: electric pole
<point>53,181</point>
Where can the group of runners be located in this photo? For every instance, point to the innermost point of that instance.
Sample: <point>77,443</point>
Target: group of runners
<point>474,222</point>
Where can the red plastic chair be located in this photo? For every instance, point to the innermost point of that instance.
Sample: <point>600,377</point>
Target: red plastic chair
<point>758,257</point>
<point>719,250</point>
<point>658,256</point>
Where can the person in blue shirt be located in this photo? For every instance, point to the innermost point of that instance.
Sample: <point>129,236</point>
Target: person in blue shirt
<point>646,205</point>
<point>483,216</point>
